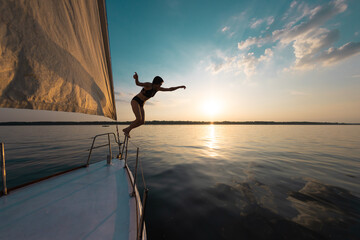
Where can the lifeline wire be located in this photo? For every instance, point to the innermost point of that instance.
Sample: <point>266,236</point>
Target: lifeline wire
<point>54,141</point>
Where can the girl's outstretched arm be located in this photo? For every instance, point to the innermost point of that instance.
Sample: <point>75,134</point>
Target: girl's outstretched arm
<point>171,89</point>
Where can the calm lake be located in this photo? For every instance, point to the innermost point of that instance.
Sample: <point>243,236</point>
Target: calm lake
<point>219,181</point>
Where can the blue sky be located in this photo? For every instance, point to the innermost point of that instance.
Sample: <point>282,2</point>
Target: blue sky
<point>240,60</point>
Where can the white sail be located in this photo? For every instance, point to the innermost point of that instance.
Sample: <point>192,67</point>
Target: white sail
<point>54,55</point>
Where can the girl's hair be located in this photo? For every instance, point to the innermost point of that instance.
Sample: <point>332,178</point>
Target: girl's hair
<point>157,80</point>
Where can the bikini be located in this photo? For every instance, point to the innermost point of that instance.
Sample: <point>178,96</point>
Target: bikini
<point>147,93</point>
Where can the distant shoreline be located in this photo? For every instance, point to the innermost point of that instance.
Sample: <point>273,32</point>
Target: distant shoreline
<point>174,123</point>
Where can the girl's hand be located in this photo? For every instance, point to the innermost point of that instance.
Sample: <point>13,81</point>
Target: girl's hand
<point>136,76</point>
<point>183,87</point>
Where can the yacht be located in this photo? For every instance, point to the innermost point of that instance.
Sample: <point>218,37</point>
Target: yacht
<point>55,56</point>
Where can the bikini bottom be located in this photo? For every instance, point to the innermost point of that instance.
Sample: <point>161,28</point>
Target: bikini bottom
<point>137,99</point>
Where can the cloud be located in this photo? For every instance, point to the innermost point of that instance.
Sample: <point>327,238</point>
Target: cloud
<point>292,14</point>
<point>302,33</point>
<point>293,4</point>
<point>117,94</point>
<point>270,20</point>
<point>247,63</point>
<point>318,16</point>
<point>123,96</point>
<point>334,55</point>
<point>219,62</point>
<point>267,55</point>
<point>308,50</point>
<point>224,29</point>
<point>311,43</point>
<point>256,23</point>
<point>249,42</point>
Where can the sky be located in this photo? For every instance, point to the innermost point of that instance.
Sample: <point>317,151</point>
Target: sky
<point>240,60</point>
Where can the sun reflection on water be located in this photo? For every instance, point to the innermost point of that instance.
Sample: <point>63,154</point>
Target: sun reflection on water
<point>211,141</point>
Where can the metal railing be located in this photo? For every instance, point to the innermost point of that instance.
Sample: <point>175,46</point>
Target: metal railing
<point>104,145</point>
<point>140,212</point>
<point>123,154</point>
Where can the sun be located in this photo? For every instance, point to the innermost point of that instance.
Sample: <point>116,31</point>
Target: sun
<point>211,107</point>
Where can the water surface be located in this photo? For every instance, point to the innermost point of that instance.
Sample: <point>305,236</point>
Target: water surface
<point>220,181</point>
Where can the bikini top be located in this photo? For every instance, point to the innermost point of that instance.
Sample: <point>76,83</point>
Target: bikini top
<point>149,93</point>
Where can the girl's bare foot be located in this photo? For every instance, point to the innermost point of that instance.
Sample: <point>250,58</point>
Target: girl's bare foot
<point>126,132</point>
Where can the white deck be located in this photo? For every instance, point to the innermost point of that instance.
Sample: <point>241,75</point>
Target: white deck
<point>89,203</point>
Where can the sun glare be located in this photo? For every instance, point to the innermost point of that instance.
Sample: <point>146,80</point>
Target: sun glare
<point>211,107</point>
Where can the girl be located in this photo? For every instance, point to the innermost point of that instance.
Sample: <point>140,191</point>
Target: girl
<point>137,103</point>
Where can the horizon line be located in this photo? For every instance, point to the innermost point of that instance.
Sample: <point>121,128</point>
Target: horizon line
<point>175,122</point>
